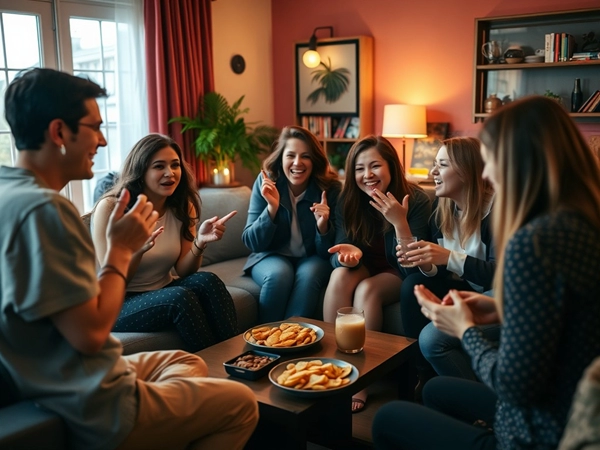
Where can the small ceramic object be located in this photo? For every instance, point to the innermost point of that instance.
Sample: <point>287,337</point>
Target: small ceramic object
<point>491,103</point>
<point>514,55</point>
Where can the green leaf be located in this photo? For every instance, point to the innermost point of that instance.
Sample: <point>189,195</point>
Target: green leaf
<point>222,135</point>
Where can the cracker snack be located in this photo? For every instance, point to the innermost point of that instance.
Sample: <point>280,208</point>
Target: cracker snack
<point>285,335</point>
<point>314,375</point>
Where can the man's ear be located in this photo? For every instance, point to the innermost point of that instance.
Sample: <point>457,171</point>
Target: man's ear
<point>55,131</point>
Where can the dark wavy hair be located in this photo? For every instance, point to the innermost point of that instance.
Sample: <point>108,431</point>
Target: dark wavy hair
<point>322,172</point>
<point>38,96</point>
<point>132,176</point>
<point>362,222</point>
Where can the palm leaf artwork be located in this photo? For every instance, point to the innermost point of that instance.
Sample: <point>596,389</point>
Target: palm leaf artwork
<point>333,83</point>
<point>222,135</point>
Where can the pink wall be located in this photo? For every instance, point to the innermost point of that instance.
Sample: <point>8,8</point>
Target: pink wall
<point>423,49</point>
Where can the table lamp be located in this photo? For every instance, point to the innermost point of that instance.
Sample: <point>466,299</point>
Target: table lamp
<point>404,121</point>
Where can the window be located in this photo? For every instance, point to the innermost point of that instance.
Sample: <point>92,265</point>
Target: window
<point>21,37</point>
<point>98,40</point>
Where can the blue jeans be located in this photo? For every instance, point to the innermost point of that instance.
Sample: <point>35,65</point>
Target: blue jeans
<point>445,353</point>
<point>290,286</point>
<point>198,306</point>
<point>451,407</point>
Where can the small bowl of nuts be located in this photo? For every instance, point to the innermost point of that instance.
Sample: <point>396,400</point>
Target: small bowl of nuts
<point>251,365</point>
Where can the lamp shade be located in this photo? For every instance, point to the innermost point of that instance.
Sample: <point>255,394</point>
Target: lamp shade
<point>404,121</point>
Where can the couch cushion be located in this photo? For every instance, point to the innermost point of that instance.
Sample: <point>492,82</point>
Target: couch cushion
<point>135,342</point>
<point>25,425</point>
<point>219,202</point>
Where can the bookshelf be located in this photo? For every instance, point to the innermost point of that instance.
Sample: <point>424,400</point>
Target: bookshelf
<point>517,80</point>
<point>354,110</point>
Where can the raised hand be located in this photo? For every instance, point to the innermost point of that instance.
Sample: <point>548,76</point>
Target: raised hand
<point>212,229</point>
<point>131,230</point>
<point>453,319</point>
<point>348,254</point>
<point>392,210</point>
<point>151,240</point>
<point>270,193</point>
<point>321,212</point>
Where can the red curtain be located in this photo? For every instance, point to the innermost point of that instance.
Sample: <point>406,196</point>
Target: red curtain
<point>178,36</point>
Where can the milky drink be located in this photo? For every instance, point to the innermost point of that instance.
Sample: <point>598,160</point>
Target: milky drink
<point>350,332</point>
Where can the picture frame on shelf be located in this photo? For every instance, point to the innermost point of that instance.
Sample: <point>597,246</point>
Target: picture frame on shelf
<point>425,149</point>
<point>315,94</point>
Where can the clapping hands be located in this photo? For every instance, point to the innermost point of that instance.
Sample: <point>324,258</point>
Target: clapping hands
<point>457,311</point>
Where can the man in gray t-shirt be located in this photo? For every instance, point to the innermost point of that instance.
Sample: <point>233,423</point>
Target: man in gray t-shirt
<point>56,314</point>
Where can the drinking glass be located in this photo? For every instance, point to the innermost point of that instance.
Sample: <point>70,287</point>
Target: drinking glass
<point>403,243</point>
<point>350,330</point>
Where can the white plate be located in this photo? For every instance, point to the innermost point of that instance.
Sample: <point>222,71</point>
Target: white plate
<point>298,348</point>
<point>278,370</point>
<point>534,59</point>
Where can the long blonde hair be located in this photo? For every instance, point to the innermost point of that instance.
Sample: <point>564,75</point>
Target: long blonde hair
<point>543,165</point>
<point>465,158</point>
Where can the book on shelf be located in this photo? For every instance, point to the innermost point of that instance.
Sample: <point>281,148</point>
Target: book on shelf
<point>353,129</point>
<point>558,47</point>
<point>594,55</point>
<point>341,130</point>
<point>588,101</point>
<point>548,47</point>
<point>594,105</point>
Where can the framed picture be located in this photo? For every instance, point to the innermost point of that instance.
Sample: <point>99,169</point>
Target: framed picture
<point>425,149</point>
<point>332,86</point>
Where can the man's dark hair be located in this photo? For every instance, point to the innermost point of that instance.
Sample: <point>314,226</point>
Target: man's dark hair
<point>38,96</point>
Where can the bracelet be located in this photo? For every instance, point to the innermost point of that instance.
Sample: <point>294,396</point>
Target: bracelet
<point>109,268</point>
<point>201,250</point>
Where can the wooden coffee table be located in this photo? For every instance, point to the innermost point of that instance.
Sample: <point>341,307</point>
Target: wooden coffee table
<point>294,421</point>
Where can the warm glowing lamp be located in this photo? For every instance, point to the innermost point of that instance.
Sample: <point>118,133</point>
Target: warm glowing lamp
<point>311,57</point>
<point>404,121</point>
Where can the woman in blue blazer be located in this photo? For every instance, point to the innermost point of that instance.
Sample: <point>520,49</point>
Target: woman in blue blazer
<point>289,229</point>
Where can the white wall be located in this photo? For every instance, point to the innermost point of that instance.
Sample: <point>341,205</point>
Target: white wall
<point>244,27</point>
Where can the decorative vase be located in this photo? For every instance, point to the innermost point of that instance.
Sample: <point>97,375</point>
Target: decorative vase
<point>491,103</point>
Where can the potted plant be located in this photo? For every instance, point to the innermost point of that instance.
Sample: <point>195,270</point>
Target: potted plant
<point>222,136</point>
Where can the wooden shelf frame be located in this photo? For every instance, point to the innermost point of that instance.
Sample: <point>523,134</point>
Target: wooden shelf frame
<point>528,30</point>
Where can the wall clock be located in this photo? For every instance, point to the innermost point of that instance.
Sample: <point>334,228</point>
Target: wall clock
<point>238,65</point>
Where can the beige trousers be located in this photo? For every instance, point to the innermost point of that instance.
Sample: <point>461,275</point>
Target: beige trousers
<point>179,408</point>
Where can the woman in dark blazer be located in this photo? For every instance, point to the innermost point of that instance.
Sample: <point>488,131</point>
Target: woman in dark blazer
<point>289,229</point>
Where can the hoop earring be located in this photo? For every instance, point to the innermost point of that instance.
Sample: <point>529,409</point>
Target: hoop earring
<point>63,150</point>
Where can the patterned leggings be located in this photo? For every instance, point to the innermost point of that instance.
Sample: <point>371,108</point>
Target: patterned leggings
<point>198,306</point>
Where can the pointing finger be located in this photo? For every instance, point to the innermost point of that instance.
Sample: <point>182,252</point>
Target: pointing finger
<point>324,198</point>
<point>227,217</point>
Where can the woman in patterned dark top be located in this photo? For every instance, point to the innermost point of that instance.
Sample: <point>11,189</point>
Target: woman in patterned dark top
<point>196,304</point>
<point>547,296</point>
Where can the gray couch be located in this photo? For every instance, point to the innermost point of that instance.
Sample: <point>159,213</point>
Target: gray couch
<point>226,259</point>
